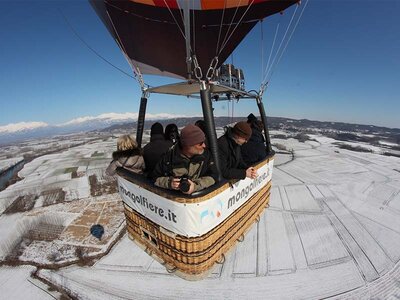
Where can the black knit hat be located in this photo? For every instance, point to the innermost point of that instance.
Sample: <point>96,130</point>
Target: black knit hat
<point>251,118</point>
<point>156,128</point>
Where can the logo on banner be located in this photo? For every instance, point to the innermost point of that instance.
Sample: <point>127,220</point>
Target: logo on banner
<point>211,213</point>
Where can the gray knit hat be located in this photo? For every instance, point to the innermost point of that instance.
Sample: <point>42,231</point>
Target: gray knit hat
<point>192,135</point>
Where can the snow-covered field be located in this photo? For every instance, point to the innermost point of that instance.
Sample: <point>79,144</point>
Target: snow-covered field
<point>332,230</point>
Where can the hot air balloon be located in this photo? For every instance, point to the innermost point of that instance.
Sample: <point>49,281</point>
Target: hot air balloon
<point>190,40</point>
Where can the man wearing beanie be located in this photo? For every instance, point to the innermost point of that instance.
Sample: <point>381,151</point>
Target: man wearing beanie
<point>187,166</point>
<point>232,164</point>
<point>157,146</point>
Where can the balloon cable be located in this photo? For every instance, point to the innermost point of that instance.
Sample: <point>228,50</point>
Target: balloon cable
<point>275,62</point>
<point>91,49</point>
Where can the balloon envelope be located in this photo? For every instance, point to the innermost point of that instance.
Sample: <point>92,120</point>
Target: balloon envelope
<point>152,33</point>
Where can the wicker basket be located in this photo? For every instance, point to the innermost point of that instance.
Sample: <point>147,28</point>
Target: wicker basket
<point>196,255</point>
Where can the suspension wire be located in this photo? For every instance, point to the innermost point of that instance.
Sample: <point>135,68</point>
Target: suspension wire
<point>229,106</point>
<point>270,53</point>
<point>288,40</point>
<point>194,28</point>
<point>279,50</point>
<point>291,34</point>
<point>262,48</point>
<point>176,22</point>
<point>91,49</point>
<point>229,27</point>
<point>233,107</point>
<point>134,68</point>
<point>237,24</point>
<point>180,11</point>
<point>220,28</point>
<point>182,17</point>
<point>280,45</point>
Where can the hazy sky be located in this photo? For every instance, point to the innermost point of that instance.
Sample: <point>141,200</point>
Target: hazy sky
<point>342,64</point>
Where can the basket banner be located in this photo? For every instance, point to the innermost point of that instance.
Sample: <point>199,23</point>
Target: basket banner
<point>192,219</point>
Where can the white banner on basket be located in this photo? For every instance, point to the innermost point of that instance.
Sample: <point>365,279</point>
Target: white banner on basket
<point>192,219</point>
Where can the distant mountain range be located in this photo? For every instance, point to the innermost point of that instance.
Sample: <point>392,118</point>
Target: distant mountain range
<point>116,122</point>
<point>30,130</point>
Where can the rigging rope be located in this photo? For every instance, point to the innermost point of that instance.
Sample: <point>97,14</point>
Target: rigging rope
<point>280,46</point>
<point>237,24</point>
<point>134,68</point>
<point>233,107</point>
<point>272,50</point>
<point>93,50</point>
<point>226,33</point>
<point>262,49</point>
<point>194,28</point>
<point>273,67</point>
<point>291,34</point>
<point>176,22</point>
<point>220,28</point>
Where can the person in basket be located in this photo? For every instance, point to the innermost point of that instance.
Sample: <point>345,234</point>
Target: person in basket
<point>232,163</point>
<point>127,156</point>
<point>187,166</point>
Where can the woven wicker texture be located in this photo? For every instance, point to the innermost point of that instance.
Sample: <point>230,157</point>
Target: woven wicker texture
<point>196,255</point>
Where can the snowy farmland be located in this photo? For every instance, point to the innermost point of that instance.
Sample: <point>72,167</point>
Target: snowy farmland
<point>332,230</point>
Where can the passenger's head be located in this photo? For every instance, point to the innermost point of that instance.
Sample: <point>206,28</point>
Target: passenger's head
<point>156,128</point>
<point>251,118</point>
<point>201,124</point>
<point>126,142</point>
<point>192,140</point>
<point>171,132</point>
<point>241,132</point>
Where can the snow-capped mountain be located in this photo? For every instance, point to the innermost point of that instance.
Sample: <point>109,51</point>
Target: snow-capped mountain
<point>22,126</point>
<point>26,130</point>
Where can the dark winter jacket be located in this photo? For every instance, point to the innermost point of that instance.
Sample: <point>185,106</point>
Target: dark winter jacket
<point>154,150</point>
<point>131,160</point>
<point>232,164</point>
<point>199,168</point>
<point>254,150</point>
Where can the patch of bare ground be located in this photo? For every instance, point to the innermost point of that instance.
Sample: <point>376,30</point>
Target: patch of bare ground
<point>98,189</point>
<point>353,148</point>
<point>22,204</point>
<point>45,232</point>
<point>391,154</point>
<point>53,196</point>
<point>108,214</point>
<point>302,137</point>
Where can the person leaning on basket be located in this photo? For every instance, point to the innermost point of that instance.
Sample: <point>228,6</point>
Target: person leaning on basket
<point>232,163</point>
<point>188,165</point>
<point>127,156</point>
